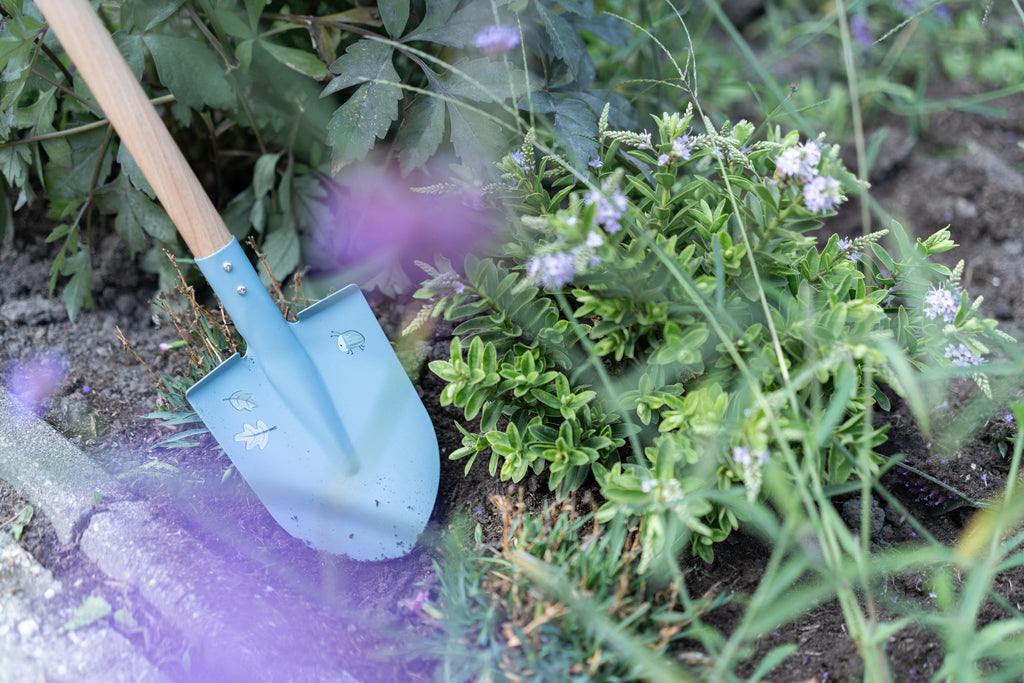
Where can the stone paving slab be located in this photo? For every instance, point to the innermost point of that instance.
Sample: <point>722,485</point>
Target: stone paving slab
<point>240,627</point>
<point>48,470</point>
<point>33,643</point>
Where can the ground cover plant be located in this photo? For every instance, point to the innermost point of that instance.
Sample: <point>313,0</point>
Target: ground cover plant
<point>666,332</point>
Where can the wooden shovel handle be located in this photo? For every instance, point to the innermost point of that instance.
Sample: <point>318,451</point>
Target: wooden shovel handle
<point>100,63</point>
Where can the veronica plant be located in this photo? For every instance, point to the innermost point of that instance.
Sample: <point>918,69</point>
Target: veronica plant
<point>680,298</point>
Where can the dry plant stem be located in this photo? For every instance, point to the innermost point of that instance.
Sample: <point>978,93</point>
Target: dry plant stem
<point>286,310</point>
<point>131,349</point>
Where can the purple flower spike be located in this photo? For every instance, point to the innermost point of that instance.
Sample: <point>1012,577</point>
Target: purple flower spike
<point>497,39</point>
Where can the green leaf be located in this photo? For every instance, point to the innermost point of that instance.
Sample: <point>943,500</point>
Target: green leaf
<point>282,249</point>
<point>306,63</point>
<point>78,290</point>
<point>421,132</point>
<point>145,14</point>
<point>264,174</point>
<point>575,124</point>
<point>92,609</point>
<point>38,120</point>
<point>357,124</point>
<point>453,30</point>
<point>131,47</point>
<point>565,40</point>
<point>484,80</point>
<point>191,70</point>
<point>254,8</point>
<point>364,61</point>
<point>395,14</point>
<point>368,114</point>
<point>24,517</point>
<point>234,25</point>
<point>474,136</point>
<point>87,166</point>
<point>135,175</point>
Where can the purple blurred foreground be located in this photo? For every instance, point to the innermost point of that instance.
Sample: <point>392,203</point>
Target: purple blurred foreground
<point>375,227</point>
<point>33,380</point>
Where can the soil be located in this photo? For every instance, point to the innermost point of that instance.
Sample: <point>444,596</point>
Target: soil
<point>962,169</point>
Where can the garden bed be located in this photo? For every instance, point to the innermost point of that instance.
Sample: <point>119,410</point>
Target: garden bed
<point>102,399</point>
<point>486,588</point>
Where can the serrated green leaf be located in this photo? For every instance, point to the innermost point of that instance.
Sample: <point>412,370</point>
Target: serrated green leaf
<point>575,124</point>
<point>87,166</point>
<point>475,137</point>
<point>18,47</point>
<point>458,29</point>
<point>131,47</point>
<point>37,119</point>
<point>421,133</point>
<point>92,609</point>
<point>356,125</point>
<point>367,60</point>
<point>565,40</point>
<point>134,173</point>
<point>145,14</point>
<point>191,71</point>
<point>483,80</point>
<point>395,15</point>
<point>78,290</point>
<point>306,63</point>
<point>136,214</point>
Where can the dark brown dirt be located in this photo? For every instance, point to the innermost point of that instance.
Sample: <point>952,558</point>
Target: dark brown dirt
<point>962,169</point>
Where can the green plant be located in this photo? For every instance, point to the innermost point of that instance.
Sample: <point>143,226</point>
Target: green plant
<point>497,616</point>
<point>282,97</point>
<point>679,300</point>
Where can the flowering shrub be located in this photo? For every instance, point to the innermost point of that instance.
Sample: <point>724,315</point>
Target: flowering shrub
<point>678,298</point>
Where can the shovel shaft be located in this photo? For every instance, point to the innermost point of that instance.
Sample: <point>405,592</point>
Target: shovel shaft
<point>141,130</point>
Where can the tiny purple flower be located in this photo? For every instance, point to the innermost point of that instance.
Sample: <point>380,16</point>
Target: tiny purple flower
<point>595,164</point>
<point>663,160</point>
<point>86,388</point>
<point>594,239</point>
<point>517,156</point>
<point>497,39</point>
<point>682,147</point>
<point>800,161</point>
<point>940,302</point>
<point>962,357</point>
<point>860,30</point>
<point>821,193</point>
<point>164,347</point>
<point>554,270</point>
<point>610,206</point>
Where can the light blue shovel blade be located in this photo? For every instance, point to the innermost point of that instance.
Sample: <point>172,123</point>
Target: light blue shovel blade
<point>359,482</point>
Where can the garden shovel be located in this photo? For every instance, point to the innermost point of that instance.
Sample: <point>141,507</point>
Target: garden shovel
<point>318,415</point>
